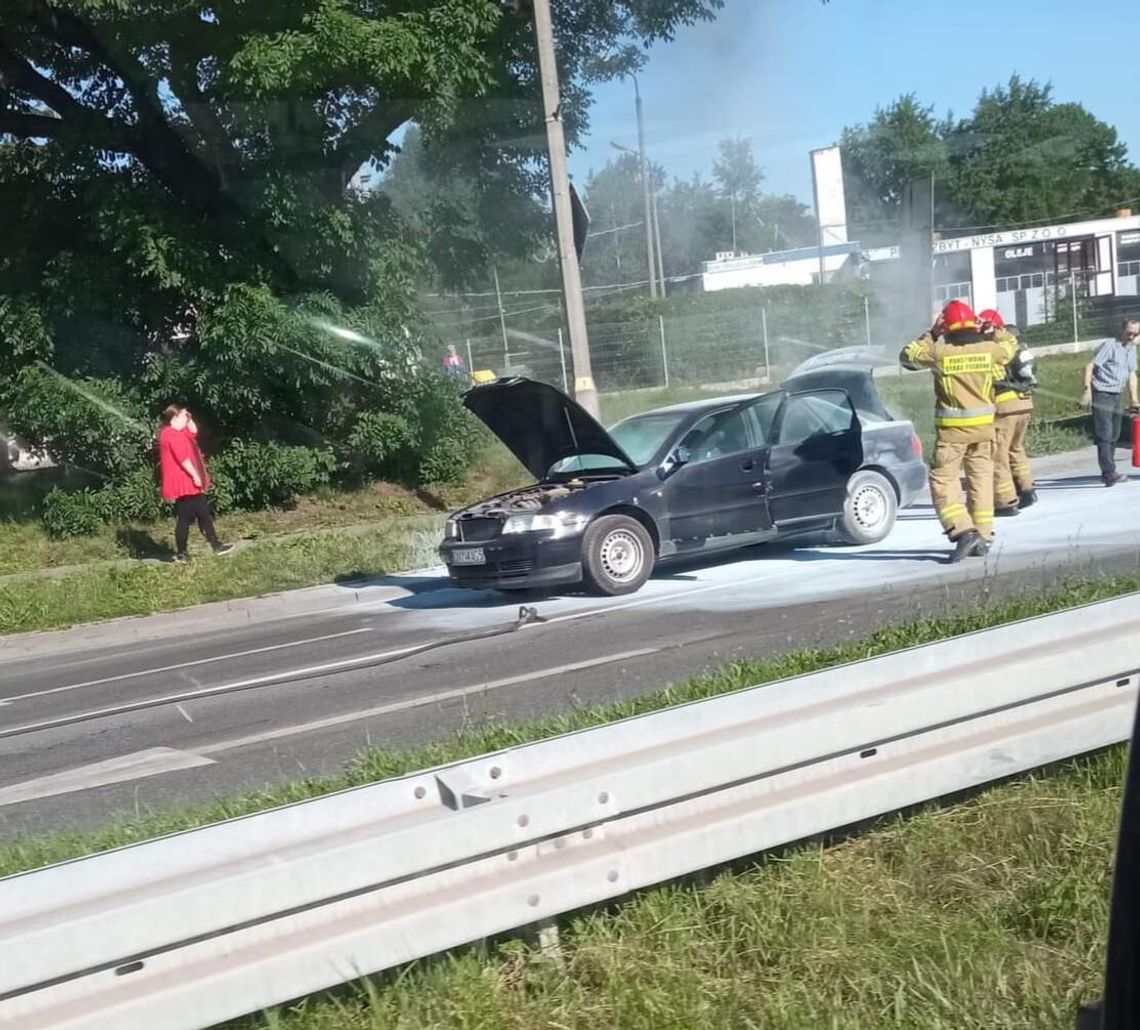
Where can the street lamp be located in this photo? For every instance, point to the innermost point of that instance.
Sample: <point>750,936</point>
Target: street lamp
<point>652,226</point>
<point>644,185</point>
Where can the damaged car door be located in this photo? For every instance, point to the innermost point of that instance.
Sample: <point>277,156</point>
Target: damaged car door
<point>817,447</point>
<point>715,480</point>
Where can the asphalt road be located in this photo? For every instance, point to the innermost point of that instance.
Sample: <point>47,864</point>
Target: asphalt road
<point>99,722</point>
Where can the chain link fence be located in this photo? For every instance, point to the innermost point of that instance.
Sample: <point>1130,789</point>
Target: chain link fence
<point>742,346</point>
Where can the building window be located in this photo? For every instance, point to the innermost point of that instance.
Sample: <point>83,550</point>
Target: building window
<point>1129,268</point>
<point>954,291</point>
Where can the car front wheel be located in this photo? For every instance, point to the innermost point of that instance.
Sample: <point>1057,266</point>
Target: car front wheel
<point>617,555</point>
<point>870,509</point>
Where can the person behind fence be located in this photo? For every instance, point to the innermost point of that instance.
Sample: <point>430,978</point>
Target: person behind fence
<point>454,367</point>
<point>965,365</point>
<point>184,480</point>
<point>1013,400</point>
<point>1112,368</point>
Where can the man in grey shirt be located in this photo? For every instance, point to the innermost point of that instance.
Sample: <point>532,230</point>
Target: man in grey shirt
<point>1112,368</point>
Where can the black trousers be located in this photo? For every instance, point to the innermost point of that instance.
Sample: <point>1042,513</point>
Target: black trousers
<point>187,510</point>
<point>1107,416</point>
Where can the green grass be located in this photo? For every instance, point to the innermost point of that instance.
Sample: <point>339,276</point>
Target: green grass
<point>107,592</point>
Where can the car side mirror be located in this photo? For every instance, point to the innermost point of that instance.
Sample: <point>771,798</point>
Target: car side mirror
<point>679,457</point>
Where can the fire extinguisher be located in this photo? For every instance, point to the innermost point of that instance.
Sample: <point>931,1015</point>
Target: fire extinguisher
<point>1135,412</point>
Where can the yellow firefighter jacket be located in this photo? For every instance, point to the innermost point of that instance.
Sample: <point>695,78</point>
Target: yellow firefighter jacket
<point>965,370</point>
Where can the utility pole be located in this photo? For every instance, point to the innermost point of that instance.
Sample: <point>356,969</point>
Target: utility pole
<point>657,243</point>
<point>645,187</point>
<point>584,390</point>
<point>502,318</point>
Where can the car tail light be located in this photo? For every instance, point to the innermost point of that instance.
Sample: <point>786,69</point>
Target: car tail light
<point>916,445</point>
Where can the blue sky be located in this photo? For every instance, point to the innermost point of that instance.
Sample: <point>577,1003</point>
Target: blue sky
<point>789,74</point>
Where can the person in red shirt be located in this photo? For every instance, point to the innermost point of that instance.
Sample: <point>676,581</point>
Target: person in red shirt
<point>185,480</point>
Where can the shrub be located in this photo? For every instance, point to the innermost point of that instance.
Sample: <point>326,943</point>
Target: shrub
<point>252,475</point>
<point>74,513</point>
<point>95,424</point>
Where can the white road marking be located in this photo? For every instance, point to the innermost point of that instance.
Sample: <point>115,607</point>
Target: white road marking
<point>418,702</point>
<point>191,695</point>
<point>134,766</point>
<point>183,665</point>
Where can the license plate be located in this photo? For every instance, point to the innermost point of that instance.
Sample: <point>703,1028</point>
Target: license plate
<point>467,556</point>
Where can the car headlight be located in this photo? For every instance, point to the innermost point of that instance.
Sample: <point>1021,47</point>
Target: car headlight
<point>451,530</point>
<point>561,525</point>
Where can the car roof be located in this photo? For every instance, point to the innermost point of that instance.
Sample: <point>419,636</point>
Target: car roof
<point>695,406</point>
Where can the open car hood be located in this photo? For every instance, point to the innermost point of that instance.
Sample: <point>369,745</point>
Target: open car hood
<point>541,425</point>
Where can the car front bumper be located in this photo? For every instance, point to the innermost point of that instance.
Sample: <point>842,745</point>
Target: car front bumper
<point>519,561</point>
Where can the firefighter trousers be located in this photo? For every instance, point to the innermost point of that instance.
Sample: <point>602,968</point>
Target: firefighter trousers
<point>971,450</point>
<point>1012,474</point>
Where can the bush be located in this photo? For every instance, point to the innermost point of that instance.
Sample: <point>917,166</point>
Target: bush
<point>97,425</point>
<point>75,513</point>
<point>251,475</point>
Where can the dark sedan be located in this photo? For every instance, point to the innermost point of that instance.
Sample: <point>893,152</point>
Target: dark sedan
<point>819,456</point>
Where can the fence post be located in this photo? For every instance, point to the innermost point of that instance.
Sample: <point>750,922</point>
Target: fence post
<point>562,361</point>
<point>867,318</point>
<point>764,330</point>
<point>1073,296</point>
<point>664,352</point>
<point>470,360</point>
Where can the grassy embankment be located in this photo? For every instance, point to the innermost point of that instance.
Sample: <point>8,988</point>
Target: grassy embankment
<point>990,913</point>
<point>374,532</point>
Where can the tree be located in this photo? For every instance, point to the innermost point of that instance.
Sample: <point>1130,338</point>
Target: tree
<point>617,252</point>
<point>902,143</point>
<point>1021,158</point>
<point>175,187</point>
<point>739,178</point>
<point>465,221</point>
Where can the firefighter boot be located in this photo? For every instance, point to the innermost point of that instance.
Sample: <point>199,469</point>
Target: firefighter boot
<point>1027,498</point>
<point>1002,511</point>
<point>969,545</point>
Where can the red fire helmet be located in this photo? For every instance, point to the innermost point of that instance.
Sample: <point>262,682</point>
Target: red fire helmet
<point>993,317</point>
<point>957,315</point>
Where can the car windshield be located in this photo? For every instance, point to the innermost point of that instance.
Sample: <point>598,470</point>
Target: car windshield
<point>640,436</point>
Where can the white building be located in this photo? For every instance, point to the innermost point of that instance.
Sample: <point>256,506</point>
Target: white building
<point>1024,273</point>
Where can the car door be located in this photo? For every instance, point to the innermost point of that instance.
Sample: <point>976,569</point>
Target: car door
<point>817,445</point>
<point>719,490</point>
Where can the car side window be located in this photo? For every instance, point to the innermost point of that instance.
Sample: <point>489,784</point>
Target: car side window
<point>815,414</point>
<point>717,435</point>
<point>762,415</point>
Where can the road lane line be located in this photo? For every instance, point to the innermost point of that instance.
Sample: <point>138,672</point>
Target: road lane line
<point>195,695</point>
<point>134,766</point>
<point>418,702</point>
<point>183,665</point>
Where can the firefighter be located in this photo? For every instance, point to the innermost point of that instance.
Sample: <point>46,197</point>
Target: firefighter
<point>965,365</point>
<point>1013,399</point>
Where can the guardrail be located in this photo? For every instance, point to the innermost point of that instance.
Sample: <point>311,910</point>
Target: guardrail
<point>202,926</point>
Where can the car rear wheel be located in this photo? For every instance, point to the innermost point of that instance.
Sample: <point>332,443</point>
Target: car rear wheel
<point>870,509</point>
<point>617,555</point>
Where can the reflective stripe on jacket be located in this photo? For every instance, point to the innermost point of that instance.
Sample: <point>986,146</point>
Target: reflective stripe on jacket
<point>965,370</point>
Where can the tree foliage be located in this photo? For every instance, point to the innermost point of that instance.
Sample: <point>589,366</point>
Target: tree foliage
<point>179,201</point>
<point>1020,157</point>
